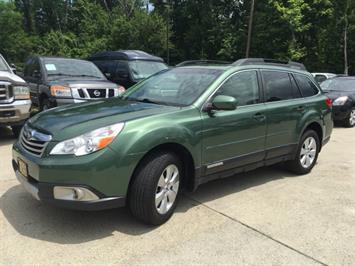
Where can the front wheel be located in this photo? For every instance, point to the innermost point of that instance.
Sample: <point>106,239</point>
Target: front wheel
<point>350,120</point>
<point>307,153</point>
<point>155,188</point>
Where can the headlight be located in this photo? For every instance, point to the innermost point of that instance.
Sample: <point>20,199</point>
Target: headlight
<point>21,92</point>
<point>119,91</point>
<point>89,142</point>
<point>60,91</point>
<point>341,100</point>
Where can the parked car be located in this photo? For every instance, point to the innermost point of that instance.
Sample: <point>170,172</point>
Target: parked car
<point>179,128</point>
<point>56,81</point>
<point>342,91</point>
<point>15,100</point>
<point>320,77</point>
<point>127,67</point>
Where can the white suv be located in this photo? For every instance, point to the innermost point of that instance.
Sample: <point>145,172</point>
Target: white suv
<point>15,103</point>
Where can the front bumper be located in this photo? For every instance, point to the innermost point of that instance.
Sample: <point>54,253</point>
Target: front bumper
<point>101,172</point>
<point>341,113</point>
<point>44,192</point>
<point>15,113</point>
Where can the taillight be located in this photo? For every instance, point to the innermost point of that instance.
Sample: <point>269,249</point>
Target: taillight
<point>329,102</point>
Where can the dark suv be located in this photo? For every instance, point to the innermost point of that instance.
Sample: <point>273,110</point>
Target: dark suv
<point>56,81</point>
<point>127,67</point>
<point>179,128</point>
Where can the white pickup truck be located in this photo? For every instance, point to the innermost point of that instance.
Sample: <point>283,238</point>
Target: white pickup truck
<point>15,103</point>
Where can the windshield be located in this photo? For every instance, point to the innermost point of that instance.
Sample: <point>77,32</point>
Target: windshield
<point>71,67</point>
<point>3,65</point>
<point>178,86</point>
<point>339,84</point>
<point>144,69</point>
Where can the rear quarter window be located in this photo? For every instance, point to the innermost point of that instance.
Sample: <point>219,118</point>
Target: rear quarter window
<point>306,86</point>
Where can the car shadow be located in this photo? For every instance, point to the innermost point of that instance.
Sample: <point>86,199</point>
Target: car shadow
<point>6,136</point>
<point>39,221</point>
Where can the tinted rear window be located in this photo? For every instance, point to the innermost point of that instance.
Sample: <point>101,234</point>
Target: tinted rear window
<point>278,86</point>
<point>341,84</point>
<point>306,86</point>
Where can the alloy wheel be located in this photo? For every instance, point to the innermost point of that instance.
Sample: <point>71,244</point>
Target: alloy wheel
<point>352,118</point>
<point>167,189</point>
<point>308,152</point>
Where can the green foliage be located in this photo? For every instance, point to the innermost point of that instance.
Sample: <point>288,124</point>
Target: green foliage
<point>310,31</point>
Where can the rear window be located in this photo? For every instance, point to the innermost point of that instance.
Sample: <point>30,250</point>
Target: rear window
<point>278,86</point>
<point>320,78</point>
<point>341,84</point>
<point>306,86</point>
<point>144,69</point>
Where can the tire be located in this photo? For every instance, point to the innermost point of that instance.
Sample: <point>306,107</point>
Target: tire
<point>350,120</point>
<point>147,188</point>
<point>307,154</point>
<point>16,130</point>
<point>45,105</point>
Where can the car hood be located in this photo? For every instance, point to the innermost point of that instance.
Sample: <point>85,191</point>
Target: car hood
<point>338,93</point>
<point>83,82</point>
<point>8,76</point>
<point>73,120</point>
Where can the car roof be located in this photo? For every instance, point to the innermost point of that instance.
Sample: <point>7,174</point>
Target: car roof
<point>125,55</point>
<point>270,62</point>
<point>233,68</point>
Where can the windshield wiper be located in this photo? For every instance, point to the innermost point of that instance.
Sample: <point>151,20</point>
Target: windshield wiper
<point>71,75</point>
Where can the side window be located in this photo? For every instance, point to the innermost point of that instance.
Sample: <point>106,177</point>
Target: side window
<point>122,69</point>
<point>243,86</point>
<point>296,91</point>
<point>306,86</point>
<point>28,70</point>
<point>36,68</point>
<point>278,86</point>
<point>106,67</point>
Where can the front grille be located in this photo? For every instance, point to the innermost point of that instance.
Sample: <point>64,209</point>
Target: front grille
<point>33,141</point>
<point>87,93</point>
<point>5,92</point>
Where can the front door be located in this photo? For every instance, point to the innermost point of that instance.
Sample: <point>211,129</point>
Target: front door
<point>235,138</point>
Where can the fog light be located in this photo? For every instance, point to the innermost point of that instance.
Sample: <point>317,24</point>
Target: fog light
<point>74,193</point>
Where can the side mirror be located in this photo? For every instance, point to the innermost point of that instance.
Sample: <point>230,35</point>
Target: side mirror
<point>13,67</point>
<point>224,102</point>
<point>36,74</point>
<point>107,75</point>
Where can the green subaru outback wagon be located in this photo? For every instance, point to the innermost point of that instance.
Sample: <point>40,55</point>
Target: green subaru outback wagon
<point>177,129</point>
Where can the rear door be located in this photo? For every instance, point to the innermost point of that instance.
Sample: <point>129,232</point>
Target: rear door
<point>235,138</point>
<point>284,110</point>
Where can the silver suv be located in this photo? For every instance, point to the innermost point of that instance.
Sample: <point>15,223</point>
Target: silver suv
<point>15,103</point>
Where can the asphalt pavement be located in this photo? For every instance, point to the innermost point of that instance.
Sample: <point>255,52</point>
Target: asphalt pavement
<point>266,217</point>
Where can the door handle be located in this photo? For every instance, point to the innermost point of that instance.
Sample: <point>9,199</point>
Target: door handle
<point>259,117</point>
<point>300,108</point>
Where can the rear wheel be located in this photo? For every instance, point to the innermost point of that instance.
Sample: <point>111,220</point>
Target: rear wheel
<point>307,153</point>
<point>350,120</point>
<point>155,188</point>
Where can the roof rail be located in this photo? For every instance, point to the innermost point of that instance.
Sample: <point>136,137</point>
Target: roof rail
<point>203,62</point>
<point>274,62</point>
